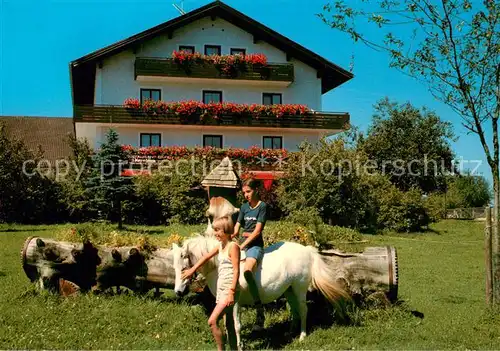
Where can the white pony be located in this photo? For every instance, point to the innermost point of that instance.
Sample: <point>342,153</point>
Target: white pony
<point>287,268</point>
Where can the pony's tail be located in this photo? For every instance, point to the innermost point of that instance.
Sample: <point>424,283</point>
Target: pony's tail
<point>323,279</point>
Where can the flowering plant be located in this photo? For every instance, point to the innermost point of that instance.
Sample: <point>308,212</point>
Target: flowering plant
<point>188,108</point>
<point>226,64</point>
<point>249,156</point>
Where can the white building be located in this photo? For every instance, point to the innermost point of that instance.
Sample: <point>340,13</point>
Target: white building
<point>141,67</point>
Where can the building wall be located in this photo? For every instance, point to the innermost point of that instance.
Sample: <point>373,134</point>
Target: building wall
<point>193,135</point>
<point>115,80</point>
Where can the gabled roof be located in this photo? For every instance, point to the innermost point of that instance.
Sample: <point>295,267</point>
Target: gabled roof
<point>49,133</point>
<point>82,70</point>
<point>222,176</point>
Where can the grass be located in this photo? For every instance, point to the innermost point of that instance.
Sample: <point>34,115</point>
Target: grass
<point>441,276</point>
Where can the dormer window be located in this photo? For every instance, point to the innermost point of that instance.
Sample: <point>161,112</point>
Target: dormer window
<point>187,48</point>
<point>235,51</point>
<point>212,49</point>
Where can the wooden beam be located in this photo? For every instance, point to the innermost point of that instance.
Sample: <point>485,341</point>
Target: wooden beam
<point>488,257</point>
<point>319,74</point>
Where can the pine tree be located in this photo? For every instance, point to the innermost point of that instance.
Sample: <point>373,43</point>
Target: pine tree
<point>108,188</point>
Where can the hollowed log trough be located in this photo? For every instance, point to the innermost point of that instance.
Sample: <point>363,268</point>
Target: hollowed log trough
<point>68,268</point>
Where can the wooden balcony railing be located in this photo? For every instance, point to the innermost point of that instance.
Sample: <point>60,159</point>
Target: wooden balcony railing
<point>121,114</point>
<point>159,67</point>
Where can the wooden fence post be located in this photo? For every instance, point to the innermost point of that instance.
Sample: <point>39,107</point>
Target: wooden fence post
<point>488,257</point>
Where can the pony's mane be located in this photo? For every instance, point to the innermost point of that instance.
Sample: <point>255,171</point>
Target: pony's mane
<point>198,246</point>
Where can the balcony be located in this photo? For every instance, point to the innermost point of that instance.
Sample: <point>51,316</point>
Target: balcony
<point>120,115</point>
<point>165,69</point>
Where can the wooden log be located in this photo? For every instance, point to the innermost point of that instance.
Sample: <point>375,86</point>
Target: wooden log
<point>46,261</point>
<point>66,267</point>
<point>371,273</point>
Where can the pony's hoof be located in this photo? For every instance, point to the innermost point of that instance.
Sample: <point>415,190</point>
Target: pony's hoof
<point>302,336</point>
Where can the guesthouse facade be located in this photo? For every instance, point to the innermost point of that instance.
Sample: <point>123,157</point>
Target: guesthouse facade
<point>211,77</point>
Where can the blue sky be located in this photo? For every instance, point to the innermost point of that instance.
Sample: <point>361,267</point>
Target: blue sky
<point>38,39</point>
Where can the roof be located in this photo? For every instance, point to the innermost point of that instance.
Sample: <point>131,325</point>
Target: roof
<point>82,70</point>
<point>222,176</point>
<point>49,133</point>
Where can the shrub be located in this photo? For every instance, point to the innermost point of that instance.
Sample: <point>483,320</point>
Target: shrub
<point>402,211</point>
<point>466,191</point>
<point>435,206</point>
<point>104,234</point>
<point>275,232</point>
<point>74,197</point>
<point>167,198</point>
<point>306,227</point>
<point>332,235</point>
<point>26,195</point>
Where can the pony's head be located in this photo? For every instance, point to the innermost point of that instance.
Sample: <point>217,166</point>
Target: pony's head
<point>181,262</point>
<point>185,256</point>
<point>220,207</point>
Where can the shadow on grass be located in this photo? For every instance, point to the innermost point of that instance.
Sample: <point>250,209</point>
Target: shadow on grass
<point>431,230</point>
<point>2,274</point>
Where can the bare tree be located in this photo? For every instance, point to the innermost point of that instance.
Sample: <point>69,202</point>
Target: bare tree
<point>453,46</point>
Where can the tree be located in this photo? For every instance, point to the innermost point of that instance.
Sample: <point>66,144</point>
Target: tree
<point>466,191</point>
<point>75,196</point>
<point>108,188</point>
<point>26,194</point>
<point>453,46</point>
<point>409,145</point>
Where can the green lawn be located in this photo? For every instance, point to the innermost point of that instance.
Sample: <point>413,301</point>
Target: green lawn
<point>441,276</point>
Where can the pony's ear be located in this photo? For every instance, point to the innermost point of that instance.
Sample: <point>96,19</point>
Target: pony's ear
<point>174,246</point>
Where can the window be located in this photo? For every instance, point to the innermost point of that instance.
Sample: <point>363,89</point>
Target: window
<point>272,142</point>
<point>211,96</point>
<point>271,99</point>
<point>187,48</point>
<point>151,94</point>
<point>150,139</point>
<point>212,140</point>
<point>235,51</point>
<point>212,50</point>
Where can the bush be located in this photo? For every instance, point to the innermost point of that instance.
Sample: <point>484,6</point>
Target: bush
<point>105,234</point>
<point>306,227</point>
<point>26,195</point>
<point>332,235</point>
<point>275,232</point>
<point>466,191</point>
<point>329,184</point>
<point>146,205</point>
<point>167,198</point>
<point>307,217</point>
<point>402,211</point>
<point>74,197</point>
<point>435,206</point>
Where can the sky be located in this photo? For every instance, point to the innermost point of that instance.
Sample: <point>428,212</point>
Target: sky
<point>38,39</point>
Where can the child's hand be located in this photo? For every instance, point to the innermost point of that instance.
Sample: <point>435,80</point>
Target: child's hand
<point>187,273</point>
<point>230,298</point>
